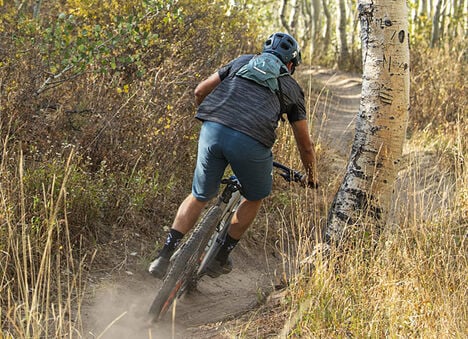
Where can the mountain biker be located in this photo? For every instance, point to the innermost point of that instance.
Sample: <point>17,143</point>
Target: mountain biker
<point>240,106</point>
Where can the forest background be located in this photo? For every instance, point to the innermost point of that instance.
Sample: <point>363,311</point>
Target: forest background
<point>98,142</point>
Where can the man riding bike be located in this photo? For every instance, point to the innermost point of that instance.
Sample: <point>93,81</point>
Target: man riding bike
<point>240,106</point>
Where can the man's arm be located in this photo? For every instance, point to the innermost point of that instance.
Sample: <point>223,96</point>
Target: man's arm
<point>306,150</point>
<point>205,87</point>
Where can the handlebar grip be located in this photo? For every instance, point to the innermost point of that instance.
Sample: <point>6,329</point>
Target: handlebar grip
<point>289,174</point>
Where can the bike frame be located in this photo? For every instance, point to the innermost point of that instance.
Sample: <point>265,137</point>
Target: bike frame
<point>228,202</point>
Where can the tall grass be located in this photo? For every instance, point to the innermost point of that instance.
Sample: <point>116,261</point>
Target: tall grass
<point>41,279</point>
<point>412,284</point>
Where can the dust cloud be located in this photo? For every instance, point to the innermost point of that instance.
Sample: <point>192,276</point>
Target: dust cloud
<point>118,309</point>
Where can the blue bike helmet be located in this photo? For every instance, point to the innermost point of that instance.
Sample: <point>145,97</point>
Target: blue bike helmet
<point>284,46</point>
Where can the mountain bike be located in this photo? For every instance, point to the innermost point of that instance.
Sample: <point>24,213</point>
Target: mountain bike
<point>189,262</point>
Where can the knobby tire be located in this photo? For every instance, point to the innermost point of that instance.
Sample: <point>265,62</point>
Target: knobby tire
<point>184,267</point>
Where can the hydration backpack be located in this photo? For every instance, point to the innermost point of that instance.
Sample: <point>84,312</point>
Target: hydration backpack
<point>265,69</point>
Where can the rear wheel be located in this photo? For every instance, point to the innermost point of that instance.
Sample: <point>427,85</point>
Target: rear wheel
<point>184,268</point>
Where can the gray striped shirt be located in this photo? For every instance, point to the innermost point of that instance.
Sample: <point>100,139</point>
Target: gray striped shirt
<point>248,107</point>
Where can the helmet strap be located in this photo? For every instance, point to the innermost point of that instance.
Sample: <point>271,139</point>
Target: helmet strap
<point>291,67</point>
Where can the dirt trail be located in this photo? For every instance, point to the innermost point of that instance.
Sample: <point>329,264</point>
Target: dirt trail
<point>118,308</point>
<point>336,109</point>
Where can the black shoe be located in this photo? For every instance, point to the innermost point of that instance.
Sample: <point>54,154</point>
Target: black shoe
<point>216,268</point>
<point>158,267</point>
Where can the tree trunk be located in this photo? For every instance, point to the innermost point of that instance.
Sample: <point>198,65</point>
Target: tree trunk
<point>293,18</point>
<point>343,52</point>
<point>435,34</point>
<point>461,14</point>
<point>422,8</point>
<point>316,20</point>
<point>37,9</point>
<point>366,190</point>
<point>283,9</point>
<point>328,24</point>
<point>308,26</point>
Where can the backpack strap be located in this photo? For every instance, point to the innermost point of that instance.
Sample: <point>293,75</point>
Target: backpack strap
<point>280,95</point>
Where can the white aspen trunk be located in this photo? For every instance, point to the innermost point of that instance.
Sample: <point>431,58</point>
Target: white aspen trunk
<point>367,187</point>
<point>37,9</point>
<point>343,53</point>
<point>328,24</point>
<point>293,17</point>
<point>435,34</point>
<point>282,15</point>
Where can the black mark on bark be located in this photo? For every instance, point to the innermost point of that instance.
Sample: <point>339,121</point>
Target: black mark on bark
<point>401,36</point>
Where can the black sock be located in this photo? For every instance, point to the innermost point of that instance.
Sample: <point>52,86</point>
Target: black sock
<point>226,248</point>
<point>172,241</point>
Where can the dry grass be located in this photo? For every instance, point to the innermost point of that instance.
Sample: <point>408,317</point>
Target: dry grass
<point>412,283</point>
<point>41,276</point>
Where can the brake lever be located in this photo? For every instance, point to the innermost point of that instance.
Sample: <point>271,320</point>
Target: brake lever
<point>286,176</point>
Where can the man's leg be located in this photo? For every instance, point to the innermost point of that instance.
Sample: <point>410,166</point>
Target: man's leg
<point>241,221</point>
<point>206,179</point>
<point>244,217</point>
<point>187,215</point>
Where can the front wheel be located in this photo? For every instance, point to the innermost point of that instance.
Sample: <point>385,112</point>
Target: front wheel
<point>185,266</point>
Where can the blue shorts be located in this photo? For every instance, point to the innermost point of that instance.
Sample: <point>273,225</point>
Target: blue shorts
<point>250,160</point>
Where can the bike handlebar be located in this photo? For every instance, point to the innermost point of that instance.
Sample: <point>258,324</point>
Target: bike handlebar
<point>287,173</point>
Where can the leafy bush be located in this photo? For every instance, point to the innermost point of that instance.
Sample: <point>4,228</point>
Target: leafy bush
<point>114,80</point>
